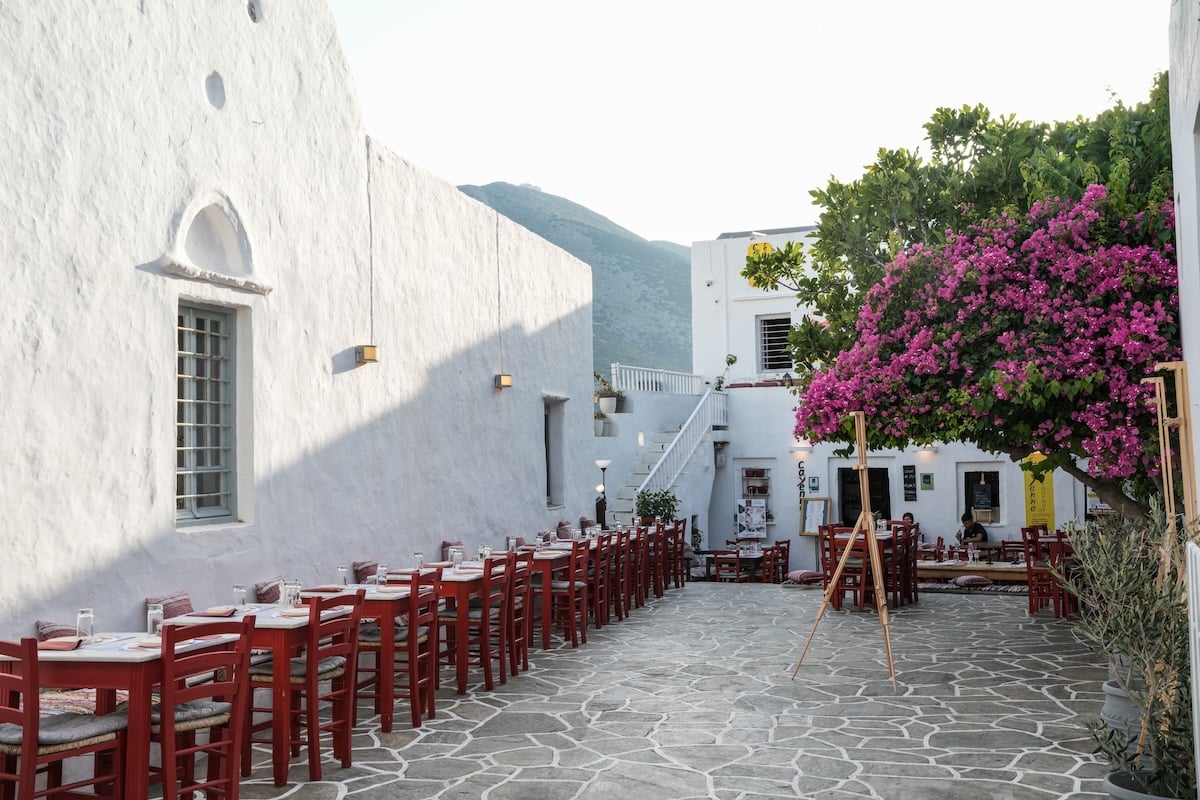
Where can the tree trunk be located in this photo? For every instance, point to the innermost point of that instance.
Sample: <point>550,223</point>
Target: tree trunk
<point>1107,489</point>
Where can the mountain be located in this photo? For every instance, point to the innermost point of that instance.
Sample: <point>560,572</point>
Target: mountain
<point>641,290</point>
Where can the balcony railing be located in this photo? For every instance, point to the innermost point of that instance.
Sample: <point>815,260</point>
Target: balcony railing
<point>643,379</point>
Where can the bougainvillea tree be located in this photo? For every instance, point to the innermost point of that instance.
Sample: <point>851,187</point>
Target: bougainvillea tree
<point>1018,335</point>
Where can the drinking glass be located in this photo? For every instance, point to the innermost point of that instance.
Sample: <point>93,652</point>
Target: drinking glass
<point>456,557</point>
<point>291,592</point>
<point>510,543</point>
<point>239,595</point>
<point>85,624</point>
<point>381,573</point>
<point>342,572</point>
<point>154,618</point>
<point>419,558</point>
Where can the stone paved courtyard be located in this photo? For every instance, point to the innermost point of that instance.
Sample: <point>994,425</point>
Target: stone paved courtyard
<point>692,697</point>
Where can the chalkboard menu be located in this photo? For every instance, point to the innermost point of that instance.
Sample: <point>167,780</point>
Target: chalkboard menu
<point>981,496</point>
<point>910,484</point>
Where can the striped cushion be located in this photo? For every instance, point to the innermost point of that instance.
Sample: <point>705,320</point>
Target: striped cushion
<point>269,591</point>
<point>174,604</point>
<point>363,570</point>
<point>53,630</point>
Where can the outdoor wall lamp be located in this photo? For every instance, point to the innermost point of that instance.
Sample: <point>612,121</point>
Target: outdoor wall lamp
<point>927,448</point>
<point>503,380</point>
<point>366,354</point>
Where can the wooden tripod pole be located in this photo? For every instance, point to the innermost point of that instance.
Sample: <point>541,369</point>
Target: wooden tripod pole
<point>866,524</point>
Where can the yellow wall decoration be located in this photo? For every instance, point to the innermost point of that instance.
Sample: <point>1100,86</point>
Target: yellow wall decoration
<point>1039,497</point>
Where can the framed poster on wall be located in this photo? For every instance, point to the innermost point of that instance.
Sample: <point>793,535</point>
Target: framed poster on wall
<point>814,512</point>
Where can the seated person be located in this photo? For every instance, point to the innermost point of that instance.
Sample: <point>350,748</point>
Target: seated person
<point>972,532</point>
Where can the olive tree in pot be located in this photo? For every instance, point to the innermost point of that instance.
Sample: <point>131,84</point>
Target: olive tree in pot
<point>1131,580</point>
<point>651,504</point>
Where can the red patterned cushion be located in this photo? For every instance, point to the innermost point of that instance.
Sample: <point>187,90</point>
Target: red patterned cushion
<point>804,576</point>
<point>269,591</point>
<point>53,630</point>
<point>971,580</point>
<point>364,570</point>
<point>446,545</point>
<point>174,603</point>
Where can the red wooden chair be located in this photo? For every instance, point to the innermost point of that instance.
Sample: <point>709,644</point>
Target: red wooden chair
<point>30,744</point>
<point>640,576</point>
<point>330,657</point>
<point>727,565</point>
<point>1037,572</point>
<point>619,583</point>
<point>676,538</point>
<point>600,580</point>
<point>569,596</point>
<point>520,610</point>
<point>487,622</point>
<point>205,690</point>
<point>413,671</point>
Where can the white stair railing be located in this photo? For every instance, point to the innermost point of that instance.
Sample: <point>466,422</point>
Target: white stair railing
<point>711,410</point>
<point>643,379</point>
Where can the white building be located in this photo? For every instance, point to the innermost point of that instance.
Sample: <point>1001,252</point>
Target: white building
<point>729,316</point>
<point>197,235</point>
<point>1184,72</point>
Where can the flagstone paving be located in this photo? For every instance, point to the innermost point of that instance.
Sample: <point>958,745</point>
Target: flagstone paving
<point>693,697</point>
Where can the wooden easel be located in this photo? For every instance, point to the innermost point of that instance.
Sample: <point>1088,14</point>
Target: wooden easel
<point>865,524</point>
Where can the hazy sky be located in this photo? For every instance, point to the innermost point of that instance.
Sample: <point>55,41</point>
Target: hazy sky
<point>681,119</point>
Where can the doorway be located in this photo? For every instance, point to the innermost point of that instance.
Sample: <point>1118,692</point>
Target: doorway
<point>879,489</point>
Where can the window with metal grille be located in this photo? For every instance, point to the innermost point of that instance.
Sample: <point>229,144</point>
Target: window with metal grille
<point>204,414</point>
<point>773,355</point>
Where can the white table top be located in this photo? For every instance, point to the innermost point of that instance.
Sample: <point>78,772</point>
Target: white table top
<point>373,591</point>
<point>119,647</point>
<point>266,615</point>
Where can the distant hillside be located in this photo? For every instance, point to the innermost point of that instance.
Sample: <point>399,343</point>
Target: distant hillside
<point>642,297</point>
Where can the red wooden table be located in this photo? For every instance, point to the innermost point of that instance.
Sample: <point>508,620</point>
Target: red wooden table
<point>285,636</point>
<point>110,662</point>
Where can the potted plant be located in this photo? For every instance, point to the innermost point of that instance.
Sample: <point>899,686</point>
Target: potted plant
<point>1131,580</point>
<point>606,395</point>
<point>599,417</point>
<point>661,504</point>
<point>719,383</point>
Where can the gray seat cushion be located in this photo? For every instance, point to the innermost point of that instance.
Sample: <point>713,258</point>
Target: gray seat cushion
<point>196,709</point>
<point>67,728</point>
<point>299,667</point>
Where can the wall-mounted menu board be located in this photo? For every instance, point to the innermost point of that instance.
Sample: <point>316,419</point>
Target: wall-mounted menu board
<point>814,512</point>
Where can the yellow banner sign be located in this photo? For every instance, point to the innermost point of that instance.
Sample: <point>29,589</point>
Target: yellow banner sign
<point>1039,497</point>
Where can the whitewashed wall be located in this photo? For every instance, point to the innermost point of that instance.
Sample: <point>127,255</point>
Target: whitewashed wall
<point>113,140</point>
<point>761,419</point>
<point>1184,75</point>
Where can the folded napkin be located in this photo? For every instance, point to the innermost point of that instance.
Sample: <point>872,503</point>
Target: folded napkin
<point>296,611</point>
<point>153,642</point>
<point>61,643</point>
<point>215,611</point>
<point>437,563</point>
<point>327,589</point>
<point>465,568</point>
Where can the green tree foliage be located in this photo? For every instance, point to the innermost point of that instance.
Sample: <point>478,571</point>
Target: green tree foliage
<point>979,167</point>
